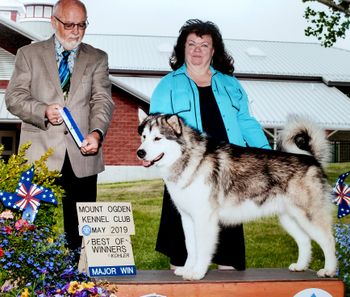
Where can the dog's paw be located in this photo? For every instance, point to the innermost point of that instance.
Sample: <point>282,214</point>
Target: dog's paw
<point>179,271</point>
<point>297,267</point>
<point>193,275</point>
<point>326,273</point>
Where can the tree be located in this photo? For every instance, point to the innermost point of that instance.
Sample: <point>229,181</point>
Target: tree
<point>330,24</point>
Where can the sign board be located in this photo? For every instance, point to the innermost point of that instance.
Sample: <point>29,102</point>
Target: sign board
<point>109,256</point>
<point>106,228</point>
<point>105,218</point>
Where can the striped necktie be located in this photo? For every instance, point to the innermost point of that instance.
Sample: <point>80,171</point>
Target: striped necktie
<point>64,73</point>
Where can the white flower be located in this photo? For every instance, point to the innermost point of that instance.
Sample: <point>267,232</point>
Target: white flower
<point>7,214</point>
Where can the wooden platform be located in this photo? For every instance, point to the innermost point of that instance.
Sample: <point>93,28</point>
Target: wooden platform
<point>225,283</point>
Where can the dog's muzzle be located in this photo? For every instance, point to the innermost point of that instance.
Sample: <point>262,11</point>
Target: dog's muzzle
<point>141,153</point>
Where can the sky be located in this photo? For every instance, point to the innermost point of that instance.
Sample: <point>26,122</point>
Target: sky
<point>274,20</point>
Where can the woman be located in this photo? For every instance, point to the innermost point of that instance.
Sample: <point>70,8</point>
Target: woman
<point>202,90</point>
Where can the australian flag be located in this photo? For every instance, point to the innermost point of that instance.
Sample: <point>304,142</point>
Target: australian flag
<point>27,196</point>
<point>341,193</point>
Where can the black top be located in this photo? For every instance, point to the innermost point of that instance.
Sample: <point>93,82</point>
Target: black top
<point>212,122</point>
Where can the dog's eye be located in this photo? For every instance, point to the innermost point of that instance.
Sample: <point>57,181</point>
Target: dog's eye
<point>157,138</point>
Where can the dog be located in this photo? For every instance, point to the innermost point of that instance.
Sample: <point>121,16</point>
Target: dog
<point>212,182</point>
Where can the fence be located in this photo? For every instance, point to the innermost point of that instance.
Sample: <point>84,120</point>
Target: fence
<point>340,151</point>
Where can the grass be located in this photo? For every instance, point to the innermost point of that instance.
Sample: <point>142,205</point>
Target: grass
<point>267,244</point>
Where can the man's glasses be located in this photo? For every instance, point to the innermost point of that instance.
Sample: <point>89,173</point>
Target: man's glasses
<point>71,26</point>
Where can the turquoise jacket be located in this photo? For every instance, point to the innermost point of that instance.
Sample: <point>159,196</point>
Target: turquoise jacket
<point>178,94</point>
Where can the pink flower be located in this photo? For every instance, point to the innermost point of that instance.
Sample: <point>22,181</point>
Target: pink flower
<point>21,225</point>
<point>7,214</point>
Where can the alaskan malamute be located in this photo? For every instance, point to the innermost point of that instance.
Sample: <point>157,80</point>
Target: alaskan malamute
<point>211,183</point>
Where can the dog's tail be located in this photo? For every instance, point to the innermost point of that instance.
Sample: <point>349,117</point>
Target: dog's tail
<point>303,136</point>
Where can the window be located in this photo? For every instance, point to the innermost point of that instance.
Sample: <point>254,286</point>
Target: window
<point>8,140</point>
<point>29,11</point>
<point>47,11</point>
<point>38,11</point>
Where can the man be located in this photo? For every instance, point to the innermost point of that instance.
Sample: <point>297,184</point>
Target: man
<point>48,75</point>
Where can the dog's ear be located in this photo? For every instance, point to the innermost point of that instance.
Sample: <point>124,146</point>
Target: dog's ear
<point>175,123</point>
<point>142,115</point>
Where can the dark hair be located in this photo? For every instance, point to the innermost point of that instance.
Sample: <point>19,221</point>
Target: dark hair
<point>222,61</point>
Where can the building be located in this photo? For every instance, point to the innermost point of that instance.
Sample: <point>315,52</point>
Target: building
<point>37,16</point>
<point>279,77</point>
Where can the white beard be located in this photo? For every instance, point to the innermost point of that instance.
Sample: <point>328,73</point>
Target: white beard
<point>68,45</point>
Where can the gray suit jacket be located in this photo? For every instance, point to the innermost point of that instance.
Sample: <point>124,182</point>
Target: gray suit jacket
<point>35,84</point>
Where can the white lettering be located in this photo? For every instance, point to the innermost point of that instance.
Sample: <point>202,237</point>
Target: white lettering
<point>104,271</point>
<point>127,270</point>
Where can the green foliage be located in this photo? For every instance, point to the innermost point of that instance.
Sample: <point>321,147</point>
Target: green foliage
<point>10,174</point>
<point>328,25</point>
<point>333,171</point>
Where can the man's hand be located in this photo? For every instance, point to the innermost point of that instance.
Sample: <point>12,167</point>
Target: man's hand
<point>53,115</point>
<point>90,144</point>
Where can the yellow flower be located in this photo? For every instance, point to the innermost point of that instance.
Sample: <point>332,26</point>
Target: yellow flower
<point>25,293</point>
<point>73,287</point>
<point>50,240</point>
<point>88,285</point>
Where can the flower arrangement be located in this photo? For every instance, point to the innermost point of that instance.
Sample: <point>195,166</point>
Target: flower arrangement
<point>33,258</point>
<point>342,237</point>
<point>341,197</point>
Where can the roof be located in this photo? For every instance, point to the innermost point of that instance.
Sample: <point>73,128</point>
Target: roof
<point>253,58</point>
<point>46,2</point>
<point>140,87</point>
<point>12,5</point>
<point>14,36</point>
<point>272,101</point>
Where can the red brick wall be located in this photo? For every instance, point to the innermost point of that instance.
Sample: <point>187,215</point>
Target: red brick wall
<point>122,139</point>
<point>3,84</point>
